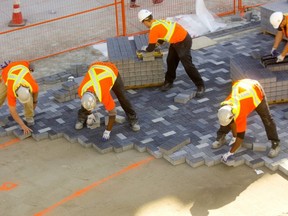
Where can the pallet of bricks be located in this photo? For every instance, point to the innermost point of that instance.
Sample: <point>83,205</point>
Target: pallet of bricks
<point>274,79</point>
<point>266,11</point>
<point>136,73</point>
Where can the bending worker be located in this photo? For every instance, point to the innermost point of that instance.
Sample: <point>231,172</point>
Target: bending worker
<point>18,83</point>
<point>96,85</point>
<point>280,22</point>
<point>179,50</point>
<point>247,95</point>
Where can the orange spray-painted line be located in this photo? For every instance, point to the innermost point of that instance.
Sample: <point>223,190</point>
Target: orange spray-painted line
<point>8,143</point>
<point>7,186</point>
<point>95,184</point>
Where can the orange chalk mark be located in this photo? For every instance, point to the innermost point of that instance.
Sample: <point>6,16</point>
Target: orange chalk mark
<point>95,184</point>
<point>7,186</point>
<point>8,143</point>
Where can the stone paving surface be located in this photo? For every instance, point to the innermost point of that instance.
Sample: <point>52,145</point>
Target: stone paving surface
<point>181,131</point>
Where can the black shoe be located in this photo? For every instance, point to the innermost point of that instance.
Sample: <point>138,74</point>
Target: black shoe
<point>200,91</point>
<point>166,86</point>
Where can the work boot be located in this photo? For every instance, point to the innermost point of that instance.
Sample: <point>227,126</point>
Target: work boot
<point>133,5</point>
<point>79,125</point>
<point>200,91</point>
<point>30,121</point>
<point>275,149</point>
<point>166,86</point>
<point>219,143</point>
<point>135,126</point>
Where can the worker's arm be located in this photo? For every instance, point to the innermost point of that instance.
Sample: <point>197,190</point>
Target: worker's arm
<point>239,138</point>
<point>285,50</point>
<point>278,39</point>
<point>17,118</point>
<point>35,99</point>
<point>112,116</point>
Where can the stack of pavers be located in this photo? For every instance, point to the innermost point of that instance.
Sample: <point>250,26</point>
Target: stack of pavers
<point>272,76</point>
<point>267,10</point>
<point>135,73</point>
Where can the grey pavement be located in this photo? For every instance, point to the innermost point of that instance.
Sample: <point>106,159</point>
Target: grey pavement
<point>187,128</point>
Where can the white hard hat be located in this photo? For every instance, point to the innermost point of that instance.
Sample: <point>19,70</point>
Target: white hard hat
<point>143,14</point>
<point>23,94</point>
<point>88,101</point>
<point>275,19</point>
<point>225,115</point>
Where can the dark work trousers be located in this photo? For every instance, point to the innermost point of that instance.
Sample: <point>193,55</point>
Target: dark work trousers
<point>264,112</point>
<point>119,91</point>
<point>182,52</point>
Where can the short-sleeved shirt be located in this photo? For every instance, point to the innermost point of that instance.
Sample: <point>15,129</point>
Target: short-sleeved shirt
<point>159,31</point>
<point>105,85</point>
<point>11,99</point>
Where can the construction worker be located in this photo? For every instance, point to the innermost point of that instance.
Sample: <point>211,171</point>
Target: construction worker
<point>247,95</point>
<point>280,22</point>
<point>96,85</point>
<point>18,83</point>
<point>179,50</point>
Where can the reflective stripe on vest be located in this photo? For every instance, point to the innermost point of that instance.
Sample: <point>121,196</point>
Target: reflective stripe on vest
<point>96,78</point>
<point>237,96</point>
<point>169,26</point>
<point>18,78</point>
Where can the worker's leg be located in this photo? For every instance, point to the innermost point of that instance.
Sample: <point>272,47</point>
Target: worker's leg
<point>3,92</point>
<point>28,109</point>
<point>221,134</point>
<point>184,52</point>
<point>266,117</point>
<point>82,118</point>
<point>119,91</point>
<point>172,64</point>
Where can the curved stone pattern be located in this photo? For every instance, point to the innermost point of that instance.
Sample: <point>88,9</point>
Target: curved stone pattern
<point>177,132</point>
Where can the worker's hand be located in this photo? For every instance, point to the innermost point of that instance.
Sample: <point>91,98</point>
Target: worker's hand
<point>232,141</point>
<point>227,156</point>
<point>143,48</point>
<point>280,58</point>
<point>274,52</point>
<point>26,129</point>
<point>106,136</point>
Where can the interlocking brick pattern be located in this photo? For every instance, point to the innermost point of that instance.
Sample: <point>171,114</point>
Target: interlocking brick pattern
<point>166,126</point>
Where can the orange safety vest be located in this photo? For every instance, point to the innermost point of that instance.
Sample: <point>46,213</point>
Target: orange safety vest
<point>168,31</point>
<point>284,28</point>
<point>14,75</point>
<point>99,79</point>
<point>246,95</point>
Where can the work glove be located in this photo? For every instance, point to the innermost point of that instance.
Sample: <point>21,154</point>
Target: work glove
<point>143,48</point>
<point>232,141</point>
<point>106,136</point>
<point>226,157</point>
<point>274,52</point>
<point>280,58</point>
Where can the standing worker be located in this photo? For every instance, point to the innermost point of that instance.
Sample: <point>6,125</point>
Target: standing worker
<point>96,85</point>
<point>247,95</point>
<point>179,50</point>
<point>18,83</point>
<point>280,22</point>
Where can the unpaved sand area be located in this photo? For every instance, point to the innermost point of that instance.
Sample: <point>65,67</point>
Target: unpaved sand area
<point>63,179</point>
